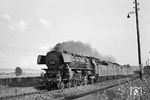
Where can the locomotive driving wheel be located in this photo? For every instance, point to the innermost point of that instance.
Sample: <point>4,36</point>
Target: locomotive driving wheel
<point>69,84</point>
<point>60,85</point>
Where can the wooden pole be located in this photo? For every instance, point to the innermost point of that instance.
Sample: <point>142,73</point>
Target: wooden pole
<point>138,39</point>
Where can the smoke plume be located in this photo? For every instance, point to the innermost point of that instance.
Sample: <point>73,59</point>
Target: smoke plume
<point>81,49</point>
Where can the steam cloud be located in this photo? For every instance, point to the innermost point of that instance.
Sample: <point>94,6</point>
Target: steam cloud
<point>81,49</point>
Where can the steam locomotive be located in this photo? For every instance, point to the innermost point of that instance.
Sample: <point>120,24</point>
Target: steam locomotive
<point>66,69</point>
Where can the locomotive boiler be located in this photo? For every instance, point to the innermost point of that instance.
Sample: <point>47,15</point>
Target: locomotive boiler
<point>66,69</point>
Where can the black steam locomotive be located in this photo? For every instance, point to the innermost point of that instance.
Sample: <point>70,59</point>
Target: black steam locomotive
<point>66,69</point>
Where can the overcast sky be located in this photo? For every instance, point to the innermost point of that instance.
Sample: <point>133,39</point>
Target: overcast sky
<point>30,27</point>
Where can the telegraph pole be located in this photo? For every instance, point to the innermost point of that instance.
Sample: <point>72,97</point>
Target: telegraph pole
<point>138,36</point>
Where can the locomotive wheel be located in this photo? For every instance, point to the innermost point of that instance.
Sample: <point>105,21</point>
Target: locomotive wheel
<point>78,83</point>
<point>60,85</point>
<point>48,86</point>
<point>69,84</point>
<point>51,85</point>
<point>82,84</point>
<point>73,83</point>
<point>85,82</point>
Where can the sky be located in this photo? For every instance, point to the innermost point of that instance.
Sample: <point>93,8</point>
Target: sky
<point>30,27</point>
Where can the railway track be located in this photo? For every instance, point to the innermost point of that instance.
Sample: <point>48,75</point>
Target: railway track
<point>68,93</point>
<point>107,86</point>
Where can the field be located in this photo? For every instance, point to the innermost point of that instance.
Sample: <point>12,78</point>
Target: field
<point>11,75</point>
<point>28,77</point>
<point>11,85</point>
<point>8,91</point>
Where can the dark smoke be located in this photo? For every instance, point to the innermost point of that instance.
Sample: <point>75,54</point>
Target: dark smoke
<point>81,49</point>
